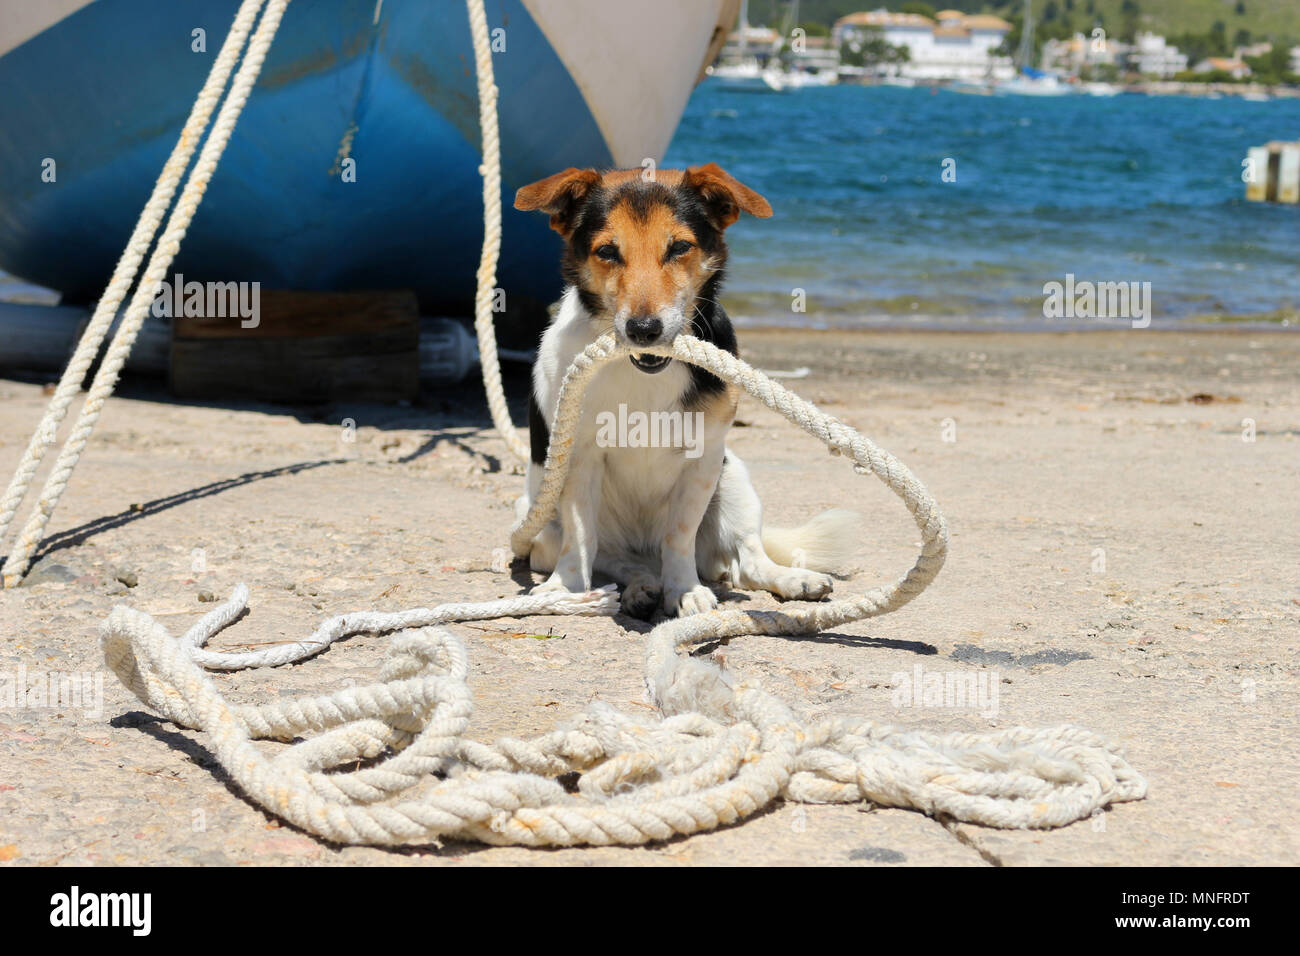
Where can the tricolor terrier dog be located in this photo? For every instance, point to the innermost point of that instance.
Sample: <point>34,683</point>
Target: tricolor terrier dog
<point>645,260</point>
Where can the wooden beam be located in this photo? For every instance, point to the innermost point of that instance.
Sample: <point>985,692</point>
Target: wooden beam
<point>301,347</point>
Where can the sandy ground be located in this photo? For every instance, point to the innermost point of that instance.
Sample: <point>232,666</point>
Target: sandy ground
<point>1121,558</point>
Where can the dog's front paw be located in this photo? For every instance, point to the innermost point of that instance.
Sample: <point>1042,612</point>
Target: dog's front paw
<point>549,585</point>
<point>799,584</point>
<point>693,600</point>
<point>641,599</point>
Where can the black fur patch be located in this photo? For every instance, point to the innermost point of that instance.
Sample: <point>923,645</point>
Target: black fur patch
<point>710,324</point>
<point>539,436</point>
<point>590,219</point>
<point>710,321</point>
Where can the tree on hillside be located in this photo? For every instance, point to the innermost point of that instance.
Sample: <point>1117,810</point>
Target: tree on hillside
<point>1200,46</point>
<point>916,6</point>
<point>1219,39</point>
<point>1274,66</point>
<point>1129,14</point>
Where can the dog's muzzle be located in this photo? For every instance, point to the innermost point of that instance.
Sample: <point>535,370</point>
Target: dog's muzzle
<point>650,364</point>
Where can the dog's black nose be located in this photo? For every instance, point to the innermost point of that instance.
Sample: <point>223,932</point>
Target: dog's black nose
<point>644,330</point>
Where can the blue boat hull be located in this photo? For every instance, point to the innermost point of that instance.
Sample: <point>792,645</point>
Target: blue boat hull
<point>105,91</point>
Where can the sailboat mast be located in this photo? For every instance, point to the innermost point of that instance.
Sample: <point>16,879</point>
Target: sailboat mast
<point>1025,53</point>
<point>744,29</point>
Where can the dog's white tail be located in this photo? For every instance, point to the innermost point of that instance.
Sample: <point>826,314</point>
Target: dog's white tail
<point>826,543</point>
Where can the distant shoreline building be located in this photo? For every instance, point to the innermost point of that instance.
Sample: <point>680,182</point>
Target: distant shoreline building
<point>1254,49</point>
<point>1150,55</point>
<point>1081,53</point>
<point>1223,64</point>
<point>1153,56</point>
<point>818,53</point>
<point>952,46</point>
<point>759,43</point>
<point>763,44</point>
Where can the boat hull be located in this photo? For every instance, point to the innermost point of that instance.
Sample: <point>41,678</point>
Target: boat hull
<point>104,92</point>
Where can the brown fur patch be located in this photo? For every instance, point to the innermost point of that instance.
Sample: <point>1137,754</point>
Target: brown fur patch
<point>642,281</point>
<point>721,407</point>
<point>558,195</point>
<point>664,177</point>
<point>725,194</point>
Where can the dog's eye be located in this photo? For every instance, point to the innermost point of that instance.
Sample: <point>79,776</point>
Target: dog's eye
<point>678,248</point>
<point>608,252</point>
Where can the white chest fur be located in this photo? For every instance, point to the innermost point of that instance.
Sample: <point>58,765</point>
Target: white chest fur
<point>634,428</point>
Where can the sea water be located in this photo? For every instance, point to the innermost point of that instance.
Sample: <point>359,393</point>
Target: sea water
<point>913,208</point>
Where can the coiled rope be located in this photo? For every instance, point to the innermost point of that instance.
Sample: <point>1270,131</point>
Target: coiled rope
<point>720,751</point>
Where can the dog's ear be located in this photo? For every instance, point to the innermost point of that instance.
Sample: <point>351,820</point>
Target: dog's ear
<point>724,196</point>
<point>560,196</point>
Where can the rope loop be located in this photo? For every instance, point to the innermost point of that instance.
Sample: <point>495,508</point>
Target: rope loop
<point>716,753</point>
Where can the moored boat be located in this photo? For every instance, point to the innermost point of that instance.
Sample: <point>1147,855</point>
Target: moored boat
<point>748,77</point>
<point>1032,82</point>
<point>96,93</point>
<point>1101,89</point>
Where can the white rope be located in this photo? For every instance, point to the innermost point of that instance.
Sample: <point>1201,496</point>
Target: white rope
<point>196,184</point>
<point>720,752</point>
<point>601,601</point>
<point>487,270</point>
<point>120,283</point>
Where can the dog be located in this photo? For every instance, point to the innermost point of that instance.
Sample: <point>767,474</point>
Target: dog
<point>644,258</point>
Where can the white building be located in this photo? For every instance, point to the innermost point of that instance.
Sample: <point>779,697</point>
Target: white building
<point>1083,52</point>
<point>814,53</point>
<point>1255,49</point>
<point>1153,56</point>
<point>1230,65</point>
<point>953,46</point>
<point>1295,59</point>
<point>807,53</point>
<point>761,42</point>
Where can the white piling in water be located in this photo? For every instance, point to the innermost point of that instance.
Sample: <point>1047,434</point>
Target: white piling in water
<point>1272,173</point>
<point>1288,177</point>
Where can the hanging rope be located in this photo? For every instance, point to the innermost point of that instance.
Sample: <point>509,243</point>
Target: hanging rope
<point>120,282</point>
<point>142,237</point>
<point>191,195</point>
<point>487,269</point>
